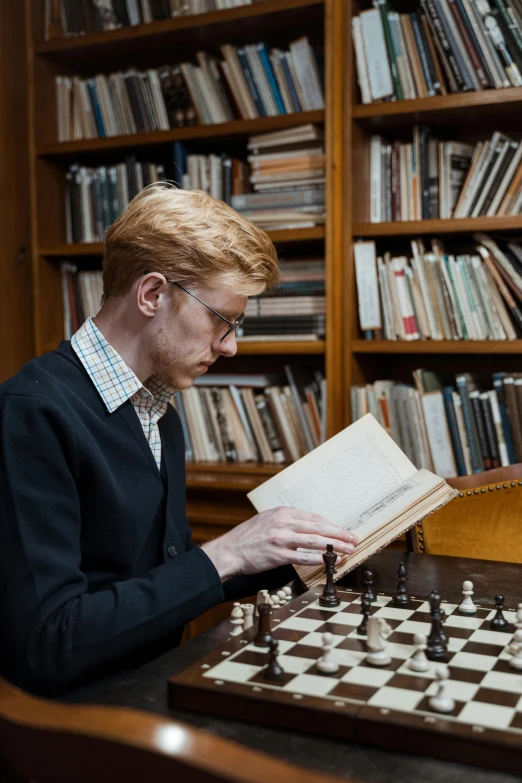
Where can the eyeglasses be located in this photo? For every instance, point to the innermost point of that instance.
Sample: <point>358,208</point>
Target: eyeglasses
<point>232,326</point>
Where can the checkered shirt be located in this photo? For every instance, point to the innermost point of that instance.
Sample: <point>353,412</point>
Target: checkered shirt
<point>117,383</point>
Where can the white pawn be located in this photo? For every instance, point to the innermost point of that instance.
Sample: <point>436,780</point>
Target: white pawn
<point>248,615</point>
<point>441,702</point>
<point>378,632</point>
<point>518,625</point>
<point>276,603</point>
<point>516,660</point>
<point>467,606</point>
<point>418,661</point>
<point>326,664</point>
<point>236,618</point>
<point>282,597</point>
<point>288,590</point>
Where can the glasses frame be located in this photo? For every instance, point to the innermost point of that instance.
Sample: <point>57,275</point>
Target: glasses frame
<point>232,325</point>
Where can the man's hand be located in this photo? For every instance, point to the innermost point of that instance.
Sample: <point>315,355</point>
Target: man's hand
<point>271,539</point>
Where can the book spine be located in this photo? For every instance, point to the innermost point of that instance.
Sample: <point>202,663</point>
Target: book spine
<point>476,459</point>
<point>433,14</point>
<point>422,50</point>
<point>491,434</point>
<point>252,86</point>
<point>267,66</point>
<point>474,399</point>
<point>447,393</point>
<point>383,10</point>
<point>460,17</point>
<point>512,27</point>
<point>499,428</point>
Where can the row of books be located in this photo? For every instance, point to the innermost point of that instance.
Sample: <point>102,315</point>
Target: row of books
<point>81,295</point>
<point>251,81</point>
<point>96,196</point>
<point>295,311</point>
<point>445,46</point>
<point>81,17</point>
<point>247,418</point>
<point>453,430</point>
<point>439,295</point>
<point>429,179</point>
<point>298,305</point>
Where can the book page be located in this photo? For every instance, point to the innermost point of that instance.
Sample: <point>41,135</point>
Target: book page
<point>343,478</point>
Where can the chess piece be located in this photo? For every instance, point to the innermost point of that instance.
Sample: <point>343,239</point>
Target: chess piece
<point>282,597</point>
<point>273,670</point>
<point>368,582</point>
<point>516,661</point>
<point>437,649</point>
<point>275,601</point>
<point>263,597</point>
<point>441,702</point>
<point>518,625</point>
<point>378,632</point>
<point>401,597</point>
<point>264,632</point>
<point>467,606</point>
<point>326,664</point>
<point>499,622</point>
<point>248,616</point>
<point>418,661</point>
<point>329,596</point>
<point>236,619</point>
<point>366,610</point>
<point>288,590</point>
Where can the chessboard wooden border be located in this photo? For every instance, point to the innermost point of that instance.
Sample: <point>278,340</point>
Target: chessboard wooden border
<point>431,735</point>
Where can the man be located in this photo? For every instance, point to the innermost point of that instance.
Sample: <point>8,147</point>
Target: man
<point>98,570</point>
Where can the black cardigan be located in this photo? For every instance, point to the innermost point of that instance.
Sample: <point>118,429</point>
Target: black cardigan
<point>98,573</point>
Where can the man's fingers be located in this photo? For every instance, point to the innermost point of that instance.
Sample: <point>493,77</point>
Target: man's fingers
<point>320,543</point>
<point>304,558</point>
<point>313,523</point>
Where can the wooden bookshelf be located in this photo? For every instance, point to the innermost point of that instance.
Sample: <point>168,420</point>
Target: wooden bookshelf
<point>216,493</point>
<point>223,130</point>
<point>445,347</point>
<point>435,227</point>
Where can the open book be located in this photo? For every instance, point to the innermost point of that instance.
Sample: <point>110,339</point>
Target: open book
<point>362,481</point>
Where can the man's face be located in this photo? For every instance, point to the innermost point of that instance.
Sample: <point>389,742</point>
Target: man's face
<point>185,336</point>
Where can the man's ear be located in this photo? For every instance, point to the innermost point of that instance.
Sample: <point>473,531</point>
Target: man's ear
<point>148,293</point>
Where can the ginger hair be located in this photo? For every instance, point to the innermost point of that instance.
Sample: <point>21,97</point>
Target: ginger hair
<point>189,237</point>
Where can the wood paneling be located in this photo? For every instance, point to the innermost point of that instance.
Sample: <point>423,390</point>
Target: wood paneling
<point>16,343</point>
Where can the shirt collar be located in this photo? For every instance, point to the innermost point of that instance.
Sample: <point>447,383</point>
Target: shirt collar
<point>113,378</point>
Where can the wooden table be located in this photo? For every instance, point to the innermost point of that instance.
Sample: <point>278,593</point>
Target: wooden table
<point>146,689</point>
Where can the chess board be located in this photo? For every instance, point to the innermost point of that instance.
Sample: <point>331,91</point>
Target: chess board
<point>389,706</point>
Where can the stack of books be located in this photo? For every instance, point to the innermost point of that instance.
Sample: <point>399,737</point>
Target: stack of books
<point>430,179</point>
<point>296,311</point>
<point>80,17</point>
<point>81,295</point>
<point>253,418</point>
<point>438,295</point>
<point>453,430</point>
<point>251,81</point>
<point>445,46</point>
<point>288,174</point>
<point>96,197</point>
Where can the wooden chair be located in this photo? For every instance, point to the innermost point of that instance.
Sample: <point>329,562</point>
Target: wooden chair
<point>484,521</point>
<point>50,742</point>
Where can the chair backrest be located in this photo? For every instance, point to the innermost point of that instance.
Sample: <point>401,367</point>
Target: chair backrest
<point>484,520</point>
<point>50,742</point>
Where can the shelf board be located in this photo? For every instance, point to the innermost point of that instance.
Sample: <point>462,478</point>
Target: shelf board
<point>224,129</point>
<point>283,236</point>
<point>152,33</point>
<point>426,109</point>
<point>453,226</point>
<point>287,347</point>
<point>438,346</point>
<point>229,476</point>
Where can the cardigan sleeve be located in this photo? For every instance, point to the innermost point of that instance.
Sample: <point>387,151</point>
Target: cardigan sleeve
<point>58,632</point>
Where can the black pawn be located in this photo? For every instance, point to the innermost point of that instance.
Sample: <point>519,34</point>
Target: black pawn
<point>499,622</point>
<point>273,670</point>
<point>329,596</point>
<point>264,631</point>
<point>368,582</point>
<point>401,597</point>
<point>437,644</point>
<point>366,610</point>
